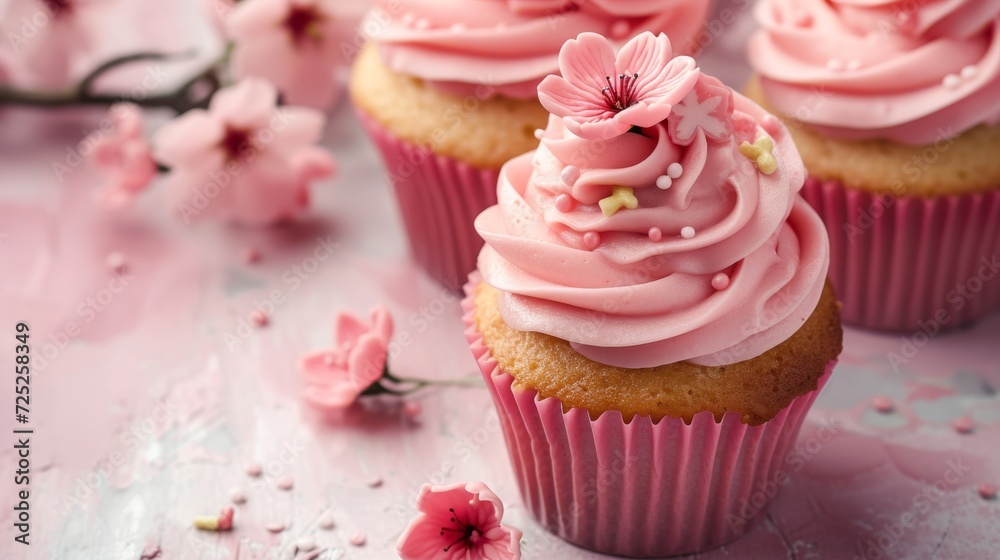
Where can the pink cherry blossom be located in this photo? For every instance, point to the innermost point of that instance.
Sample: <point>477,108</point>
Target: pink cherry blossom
<point>337,377</point>
<point>459,522</point>
<point>296,44</point>
<point>124,155</point>
<point>601,95</point>
<point>244,159</point>
<point>50,41</point>
<point>708,107</point>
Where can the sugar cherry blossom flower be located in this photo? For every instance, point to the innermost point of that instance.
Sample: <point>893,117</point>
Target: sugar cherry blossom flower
<point>707,107</point>
<point>459,522</point>
<point>601,95</point>
<point>125,156</point>
<point>243,159</point>
<point>338,376</point>
<point>296,44</point>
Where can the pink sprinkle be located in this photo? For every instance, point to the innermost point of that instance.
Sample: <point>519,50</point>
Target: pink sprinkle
<point>305,544</point>
<point>655,234</point>
<point>771,124</point>
<point>883,404</point>
<point>720,281</point>
<point>358,538</point>
<point>988,491</point>
<point>275,527</point>
<point>238,496</point>
<point>591,240</point>
<point>226,518</point>
<point>570,175</point>
<point>284,483</point>
<point>620,29</point>
<point>258,319</point>
<point>254,469</point>
<point>250,255</point>
<point>963,425</point>
<point>564,203</point>
<point>327,522</point>
<point>116,262</point>
<point>412,409</point>
<point>375,481</point>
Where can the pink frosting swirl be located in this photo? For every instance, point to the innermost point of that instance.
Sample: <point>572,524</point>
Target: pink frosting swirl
<point>510,45</point>
<point>647,294</point>
<point>912,72</point>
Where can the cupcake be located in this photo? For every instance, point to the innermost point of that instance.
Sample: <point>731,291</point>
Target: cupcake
<point>447,90</point>
<point>651,311</point>
<point>895,108</point>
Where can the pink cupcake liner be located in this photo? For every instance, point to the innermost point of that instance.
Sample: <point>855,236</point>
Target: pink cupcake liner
<point>900,263</point>
<point>439,199</point>
<point>640,488</point>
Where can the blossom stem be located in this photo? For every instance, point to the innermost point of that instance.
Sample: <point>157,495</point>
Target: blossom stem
<point>182,99</point>
<point>417,383</point>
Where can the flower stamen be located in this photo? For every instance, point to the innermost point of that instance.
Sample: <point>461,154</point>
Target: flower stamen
<point>467,531</point>
<point>623,94</point>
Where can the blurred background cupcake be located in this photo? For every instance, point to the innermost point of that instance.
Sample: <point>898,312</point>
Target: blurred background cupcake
<point>895,108</point>
<point>447,90</point>
<point>653,317</point>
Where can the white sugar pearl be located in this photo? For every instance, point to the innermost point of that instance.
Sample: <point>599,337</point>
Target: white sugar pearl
<point>674,170</point>
<point>687,232</point>
<point>664,182</point>
<point>952,81</point>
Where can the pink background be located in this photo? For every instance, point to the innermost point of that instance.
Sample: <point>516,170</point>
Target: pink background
<point>154,363</point>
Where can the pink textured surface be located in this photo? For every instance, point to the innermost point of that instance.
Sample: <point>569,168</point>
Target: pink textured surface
<point>150,382</point>
<point>439,199</point>
<point>640,488</point>
<point>898,263</point>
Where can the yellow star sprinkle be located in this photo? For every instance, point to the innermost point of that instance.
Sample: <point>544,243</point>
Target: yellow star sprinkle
<point>760,153</point>
<point>620,197</point>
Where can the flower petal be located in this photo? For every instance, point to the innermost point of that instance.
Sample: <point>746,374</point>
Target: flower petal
<point>188,139</point>
<point>366,361</point>
<point>382,323</point>
<point>322,367</point>
<point>349,328</point>
<point>247,105</point>
<point>586,61</point>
